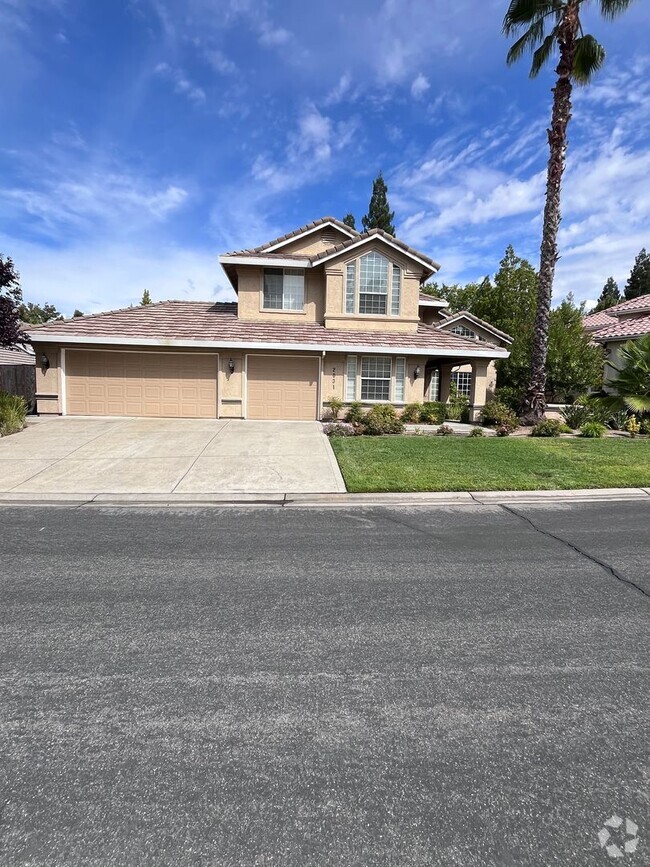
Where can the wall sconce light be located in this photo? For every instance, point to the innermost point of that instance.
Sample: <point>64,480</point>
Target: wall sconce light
<point>416,372</point>
<point>45,363</point>
<point>231,365</point>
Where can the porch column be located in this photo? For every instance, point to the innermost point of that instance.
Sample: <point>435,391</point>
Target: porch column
<point>445,381</point>
<point>478,392</point>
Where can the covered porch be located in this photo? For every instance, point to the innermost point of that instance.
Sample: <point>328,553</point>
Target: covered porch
<point>475,378</point>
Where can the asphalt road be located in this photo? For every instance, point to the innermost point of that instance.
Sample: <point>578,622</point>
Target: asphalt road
<point>313,688</point>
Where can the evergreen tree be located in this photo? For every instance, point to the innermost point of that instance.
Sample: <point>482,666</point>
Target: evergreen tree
<point>379,215</point>
<point>639,280</point>
<point>457,296</point>
<point>11,298</point>
<point>573,365</point>
<point>349,220</point>
<point>146,298</point>
<point>609,297</point>
<point>37,314</point>
<point>76,314</point>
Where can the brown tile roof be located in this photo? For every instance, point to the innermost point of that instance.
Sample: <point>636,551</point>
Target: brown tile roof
<point>374,233</point>
<point>218,323</point>
<point>295,234</point>
<point>16,355</point>
<point>623,329</point>
<point>634,305</point>
<point>597,320</point>
<point>475,319</point>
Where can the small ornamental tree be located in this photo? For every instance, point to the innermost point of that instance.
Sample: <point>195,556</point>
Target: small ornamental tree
<point>146,298</point>
<point>609,297</point>
<point>349,220</point>
<point>11,297</point>
<point>379,214</point>
<point>77,313</point>
<point>639,280</point>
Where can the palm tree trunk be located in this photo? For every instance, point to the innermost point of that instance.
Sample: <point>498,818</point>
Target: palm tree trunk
<point>534,401</point>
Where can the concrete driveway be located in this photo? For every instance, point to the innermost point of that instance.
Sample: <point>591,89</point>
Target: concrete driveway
<point>160,456</point>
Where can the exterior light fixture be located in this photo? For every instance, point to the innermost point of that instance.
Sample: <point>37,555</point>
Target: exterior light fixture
<point>45,363</point>
<point>231,365</point>
<point>416,371</point>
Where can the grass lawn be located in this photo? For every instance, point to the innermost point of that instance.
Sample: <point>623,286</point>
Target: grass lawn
<point>412,463</point>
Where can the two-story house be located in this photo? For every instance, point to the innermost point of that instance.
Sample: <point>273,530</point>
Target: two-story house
<point>321,312</point>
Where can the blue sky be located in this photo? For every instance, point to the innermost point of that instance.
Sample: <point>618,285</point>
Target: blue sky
<point>141,138</point>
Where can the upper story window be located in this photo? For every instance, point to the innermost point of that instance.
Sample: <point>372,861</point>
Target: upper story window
<point>284,289</point>
<point>373,286</point>
<point>463,331</point>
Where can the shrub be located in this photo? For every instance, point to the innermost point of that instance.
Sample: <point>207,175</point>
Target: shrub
<point>444,430</point>
<point>577,414</point>
<point>509,396</point>
<point>644,426</point>
<point>504,430</point>
<point>411,413</point>
<point>476,432</point>
<point>457,405</point>
<point>499,415</point>
<point>13,411</point>
<point>355,414</point>
<point>592,430</point>
<point>433,412</point>
<point>336,406</point>
<point>382,419</point>
<point>339,429</point>
<point>548,427</point>
<point>632,426</point>
<point>617,420</point>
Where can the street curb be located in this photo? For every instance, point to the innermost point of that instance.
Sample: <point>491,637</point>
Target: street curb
<point>328,501</point>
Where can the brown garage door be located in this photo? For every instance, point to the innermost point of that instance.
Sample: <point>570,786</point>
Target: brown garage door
<point>161,385</point>
<point>281,387</point>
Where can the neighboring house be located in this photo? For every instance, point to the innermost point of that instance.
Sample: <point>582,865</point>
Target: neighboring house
<point>323,311</point>
<point>17,372</point>
<point>615,326</point>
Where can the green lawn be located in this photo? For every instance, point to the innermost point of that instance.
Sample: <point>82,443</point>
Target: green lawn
<point>414,463</point>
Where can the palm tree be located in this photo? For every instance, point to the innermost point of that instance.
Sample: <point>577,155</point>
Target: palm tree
<point>632,384</point>
<point>581,55</point>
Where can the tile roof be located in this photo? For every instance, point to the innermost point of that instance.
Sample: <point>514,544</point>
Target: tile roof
<point>16,355</point>
<point>374,233</point>
<point>295,234</point>
<point>217,323</point>
<point>634,305</point>
<point>623,329</point>
<point>594,321</point>
<point>465,314</point>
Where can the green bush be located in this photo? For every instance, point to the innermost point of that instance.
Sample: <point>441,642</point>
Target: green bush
<point>577,414</point>
<point>548,427</point>
<point>355,414</point>
<point>644,426</point>
<point>617,420</point>
<point>476,432</point>
<point>499,415</point>
<point>592,430</point>
<point>458,404</point>
<point>382,419</point>
<point>411,414</point>
<point>445,430</point>
<point>13,411</point>
<point>336,406</point>
<point>509,396</point>
<point>433,412</point>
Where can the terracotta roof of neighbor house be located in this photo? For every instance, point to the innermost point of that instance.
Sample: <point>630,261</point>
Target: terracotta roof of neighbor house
<point>465,314</point>
<point>217,323</point>
<point>594,321</point>
<point>623,329</point>
<point>634,305</point>
<point>16,355</point>
<point>295,234</point>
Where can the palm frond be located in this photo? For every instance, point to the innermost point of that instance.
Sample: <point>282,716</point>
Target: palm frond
<point>542,54</point>
<point>611,8</point>
<point>527,42</point>
<point>522,12</point>
<point>589,57</point>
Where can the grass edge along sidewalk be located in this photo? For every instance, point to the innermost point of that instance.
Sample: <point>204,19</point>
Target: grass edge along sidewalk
<point>418,464</point>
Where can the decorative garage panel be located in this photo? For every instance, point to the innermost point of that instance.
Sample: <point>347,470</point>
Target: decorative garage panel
<point>282,387</point>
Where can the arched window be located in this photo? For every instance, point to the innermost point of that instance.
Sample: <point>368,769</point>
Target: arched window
<point>373,285</point>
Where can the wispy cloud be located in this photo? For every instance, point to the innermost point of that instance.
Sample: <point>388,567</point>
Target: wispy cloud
<point>182,84</point>
<point>419,86</point>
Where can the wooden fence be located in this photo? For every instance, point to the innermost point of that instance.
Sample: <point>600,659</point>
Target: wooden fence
<point>19,379</point>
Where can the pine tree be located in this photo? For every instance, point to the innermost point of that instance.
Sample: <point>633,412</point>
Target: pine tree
<point>639,280</point>
<point>349,220</point>
<point>11,298</point>
<point>379,215</point>
<point>609,297</point>
<point>77,313</point>
<point>146,297</point>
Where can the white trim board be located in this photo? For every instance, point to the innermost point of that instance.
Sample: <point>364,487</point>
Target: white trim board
<point>349,232</point>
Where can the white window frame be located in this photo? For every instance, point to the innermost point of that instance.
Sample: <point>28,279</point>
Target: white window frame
<point>463,331</point>
<point>466,377</point>
<point>352,287</point>
<point>354,379</point>
<point>286,272</point>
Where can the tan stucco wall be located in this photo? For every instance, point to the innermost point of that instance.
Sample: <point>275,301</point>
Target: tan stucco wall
<point>251,298</point>
<point>333,379</point>
<point>48,384</point>
<point>612,357</point>
<point>315,243</point>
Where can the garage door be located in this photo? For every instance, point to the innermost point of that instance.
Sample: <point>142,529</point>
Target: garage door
<point>280,387</point>
<point>161,385</point>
